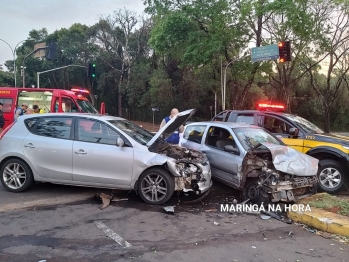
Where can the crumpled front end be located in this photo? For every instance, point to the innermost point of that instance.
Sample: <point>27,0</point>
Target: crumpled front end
<point>192,173</point>
<point>190,168</point>
<point>283,174</point>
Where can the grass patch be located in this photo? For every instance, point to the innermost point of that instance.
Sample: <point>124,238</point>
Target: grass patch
<point>329,203</point>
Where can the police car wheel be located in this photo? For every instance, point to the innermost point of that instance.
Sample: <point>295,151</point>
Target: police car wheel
<point>331,176</point>
<point>155,186</point>
<point>16,175</point>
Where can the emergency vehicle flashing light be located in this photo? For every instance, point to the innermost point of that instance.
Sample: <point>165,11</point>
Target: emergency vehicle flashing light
<point>80,90</point>
<point>265,106</point>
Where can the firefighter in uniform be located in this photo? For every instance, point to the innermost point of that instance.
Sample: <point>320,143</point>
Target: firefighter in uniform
<point>2,120</point>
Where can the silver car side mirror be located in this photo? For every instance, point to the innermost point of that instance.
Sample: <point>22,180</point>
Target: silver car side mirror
<point>120,142</point>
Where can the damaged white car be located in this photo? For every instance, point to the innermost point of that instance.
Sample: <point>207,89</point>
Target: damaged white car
<point>100,151</point>
<point>252,160</point>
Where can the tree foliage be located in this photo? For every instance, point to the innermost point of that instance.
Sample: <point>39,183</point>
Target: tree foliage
<point>178,56</point>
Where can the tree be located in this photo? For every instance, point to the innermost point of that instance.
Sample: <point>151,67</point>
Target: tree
<point>335,51</point>
<point>114,33</point>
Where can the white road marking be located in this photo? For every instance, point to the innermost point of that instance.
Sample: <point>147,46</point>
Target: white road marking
<point>118,239</point>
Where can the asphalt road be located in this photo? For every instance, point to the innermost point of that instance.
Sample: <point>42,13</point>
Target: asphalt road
<point>69,226</point>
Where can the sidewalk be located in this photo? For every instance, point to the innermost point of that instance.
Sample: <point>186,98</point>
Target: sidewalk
<point>322,220</point>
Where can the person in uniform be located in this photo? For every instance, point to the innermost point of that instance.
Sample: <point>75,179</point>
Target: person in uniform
<point>2,119</point>
<point>174,138</point>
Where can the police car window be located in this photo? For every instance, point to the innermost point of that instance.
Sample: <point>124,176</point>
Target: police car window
<point>247,119</point>
<point>194,133</point>
<point>7,105</point>
<point>275,125</point>
<point>93,131</point>
<point>305,124</point>
<point>220,117</point>
<point>56,127</point>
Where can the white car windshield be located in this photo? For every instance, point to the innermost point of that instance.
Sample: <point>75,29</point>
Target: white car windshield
<point>249,137</point>
<point>133,130</point>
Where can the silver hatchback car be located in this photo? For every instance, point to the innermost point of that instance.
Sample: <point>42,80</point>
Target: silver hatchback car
<point>100,151</point>
<point>252,160</point>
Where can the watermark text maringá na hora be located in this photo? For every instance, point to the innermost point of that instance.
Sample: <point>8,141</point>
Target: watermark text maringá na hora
<point>269,208</point>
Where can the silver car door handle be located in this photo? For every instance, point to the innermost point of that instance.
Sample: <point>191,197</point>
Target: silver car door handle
<point>80,152</point>
<point>30,145</point>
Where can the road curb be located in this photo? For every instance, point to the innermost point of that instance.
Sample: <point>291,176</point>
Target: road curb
<point>322,220</point>
<point>45,202</point>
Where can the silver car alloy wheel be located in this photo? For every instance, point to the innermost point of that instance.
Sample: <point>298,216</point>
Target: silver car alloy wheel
<point>14,175</point>
<point>330,177</point>
<point>154,187</point>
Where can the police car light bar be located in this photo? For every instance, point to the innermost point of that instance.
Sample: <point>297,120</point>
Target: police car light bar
<point>271,106</point>
<point>80,90</point>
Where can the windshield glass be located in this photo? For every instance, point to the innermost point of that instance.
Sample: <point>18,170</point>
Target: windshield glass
<point>249,137</point>
<point>86,106</point>
<point>305,124</point>
<point>139,134</point>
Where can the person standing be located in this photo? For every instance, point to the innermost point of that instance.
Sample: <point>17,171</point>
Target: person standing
<point>20,111</point>
<point>174,138</point>
<point>2,119</point>
<point>36,109</point>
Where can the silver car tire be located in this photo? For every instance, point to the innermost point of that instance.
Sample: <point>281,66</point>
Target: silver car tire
<point>155,186</point>
<point>252,191</point>
<point>16,176</point>
<point>331,176</point>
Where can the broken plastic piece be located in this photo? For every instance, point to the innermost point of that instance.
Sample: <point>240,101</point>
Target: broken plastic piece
<point>169,209</point>
<point>265,217</point>
<point>119,199</point>
<point>215,223</point>
<point>105,200</point>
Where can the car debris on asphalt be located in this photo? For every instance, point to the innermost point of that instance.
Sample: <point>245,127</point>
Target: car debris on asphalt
<point>106,199</point>
<point>169,209</point>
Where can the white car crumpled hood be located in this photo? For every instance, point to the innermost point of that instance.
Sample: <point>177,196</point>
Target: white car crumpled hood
<point>290,161</point>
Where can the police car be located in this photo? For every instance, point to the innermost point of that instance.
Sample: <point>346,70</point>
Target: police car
<point>332,150</point>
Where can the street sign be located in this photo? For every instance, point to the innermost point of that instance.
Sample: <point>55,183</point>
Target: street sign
<point>41,52</point>
<point>155,109</point>
<point>263,53</point>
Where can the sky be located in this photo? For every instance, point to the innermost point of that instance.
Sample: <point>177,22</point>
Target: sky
<point>18,17</point>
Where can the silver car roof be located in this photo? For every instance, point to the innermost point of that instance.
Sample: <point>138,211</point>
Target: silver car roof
<point>223,124</point>
<point>87,115</point>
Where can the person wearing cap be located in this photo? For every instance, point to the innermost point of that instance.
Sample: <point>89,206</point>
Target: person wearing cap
<point>2,119</point>
<point>20,110</point>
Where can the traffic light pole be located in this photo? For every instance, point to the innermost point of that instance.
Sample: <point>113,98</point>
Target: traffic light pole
<point>54,69</point>
<point>37,49</point>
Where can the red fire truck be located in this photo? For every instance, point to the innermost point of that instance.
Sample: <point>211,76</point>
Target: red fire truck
<point>49,100</point>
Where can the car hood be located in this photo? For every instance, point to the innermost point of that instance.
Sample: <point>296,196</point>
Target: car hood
<point>171,126</point>
<point>291,161</point>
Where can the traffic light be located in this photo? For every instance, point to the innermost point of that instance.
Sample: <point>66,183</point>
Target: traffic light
<point>91,70</point>
<point>285,51</point>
